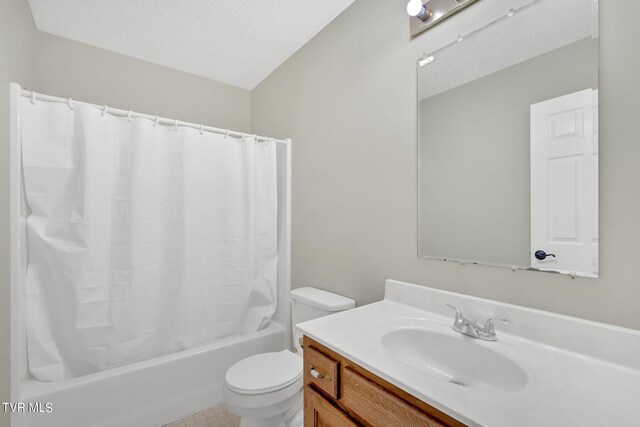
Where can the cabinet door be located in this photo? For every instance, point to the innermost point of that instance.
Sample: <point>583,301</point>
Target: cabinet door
<point>318,412</point>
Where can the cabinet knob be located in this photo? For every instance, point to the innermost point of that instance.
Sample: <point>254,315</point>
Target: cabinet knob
<point>316,374</point>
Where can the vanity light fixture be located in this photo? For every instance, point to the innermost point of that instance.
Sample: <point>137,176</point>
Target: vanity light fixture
<point>424,14</point>
<point>417,9</point>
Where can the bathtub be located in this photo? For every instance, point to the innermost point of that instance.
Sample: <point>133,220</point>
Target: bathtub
<point>149,393</point>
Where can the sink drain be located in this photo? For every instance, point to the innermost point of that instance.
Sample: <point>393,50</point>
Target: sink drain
<point>457,382</point>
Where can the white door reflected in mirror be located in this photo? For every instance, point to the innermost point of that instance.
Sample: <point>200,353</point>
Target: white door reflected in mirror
<point>564,183</point>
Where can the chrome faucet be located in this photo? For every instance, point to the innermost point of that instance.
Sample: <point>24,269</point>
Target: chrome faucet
<point>470,328</point>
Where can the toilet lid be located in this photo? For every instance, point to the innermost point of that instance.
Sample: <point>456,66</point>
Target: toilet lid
<point>264,372</point>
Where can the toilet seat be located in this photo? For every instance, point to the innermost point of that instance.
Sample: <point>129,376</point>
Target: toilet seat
<point>264,373</point>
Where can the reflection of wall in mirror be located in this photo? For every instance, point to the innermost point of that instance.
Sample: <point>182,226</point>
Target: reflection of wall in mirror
<point>474,156</point>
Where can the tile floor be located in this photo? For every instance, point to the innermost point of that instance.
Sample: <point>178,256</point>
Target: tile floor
<point>219,416</point>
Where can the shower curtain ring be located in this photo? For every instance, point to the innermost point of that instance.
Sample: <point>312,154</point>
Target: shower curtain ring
<point>129,115</point>
<point>104,110</point>
<point>70,104</point>
<point>156,121</point>
<point>201,129</point>
<point>227,135</point>
<point>175,125</point>
<point>33,97</point>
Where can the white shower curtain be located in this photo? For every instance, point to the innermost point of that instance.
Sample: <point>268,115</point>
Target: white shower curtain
<point>143,240</point>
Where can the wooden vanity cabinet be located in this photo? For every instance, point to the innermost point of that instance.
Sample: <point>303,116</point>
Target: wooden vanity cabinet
<point>320,412</point>
<point>339,393</point>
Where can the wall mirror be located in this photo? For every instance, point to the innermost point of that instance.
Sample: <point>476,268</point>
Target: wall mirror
<point>508,142</point>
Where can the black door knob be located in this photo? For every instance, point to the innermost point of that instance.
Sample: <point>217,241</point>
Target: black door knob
<point>541,255</point>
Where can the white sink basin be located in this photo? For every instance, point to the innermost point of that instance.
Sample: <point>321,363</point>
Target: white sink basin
<point>456,359</point>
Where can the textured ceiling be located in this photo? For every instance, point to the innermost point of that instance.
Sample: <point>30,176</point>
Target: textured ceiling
<point>544,26</point>
<point>239,42</point>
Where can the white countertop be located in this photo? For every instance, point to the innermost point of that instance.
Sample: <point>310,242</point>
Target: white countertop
<point>565,387</point>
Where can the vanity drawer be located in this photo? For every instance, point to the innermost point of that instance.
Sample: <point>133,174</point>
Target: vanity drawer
<point>378,407</point>
<point>322,371</point>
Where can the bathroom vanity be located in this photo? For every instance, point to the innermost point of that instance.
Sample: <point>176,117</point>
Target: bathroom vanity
<point>340,393</point>
<point>399,362</point>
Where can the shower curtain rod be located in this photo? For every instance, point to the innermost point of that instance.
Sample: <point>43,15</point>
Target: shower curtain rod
<point>158,120</point>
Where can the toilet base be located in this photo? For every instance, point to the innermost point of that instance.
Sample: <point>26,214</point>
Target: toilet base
<point>295,421</point>
<point>292,417</point>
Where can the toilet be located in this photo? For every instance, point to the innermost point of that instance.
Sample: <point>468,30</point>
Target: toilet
<point>265,390</point>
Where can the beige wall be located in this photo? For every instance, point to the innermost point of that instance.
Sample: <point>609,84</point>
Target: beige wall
<point>17,48</point>
<point>474,156</point>
<point>348,101</point>
<point>69,69</point>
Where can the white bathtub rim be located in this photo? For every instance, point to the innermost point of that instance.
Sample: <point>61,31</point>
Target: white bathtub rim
<point>33,389</point>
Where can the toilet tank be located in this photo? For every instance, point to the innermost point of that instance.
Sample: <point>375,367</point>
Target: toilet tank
<point>311,303</point>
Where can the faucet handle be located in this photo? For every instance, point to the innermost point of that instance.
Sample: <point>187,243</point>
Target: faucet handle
<point>488,325</point>
<point>459,315</point>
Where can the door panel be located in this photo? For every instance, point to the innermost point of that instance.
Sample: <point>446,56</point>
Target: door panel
<point>564,199</point>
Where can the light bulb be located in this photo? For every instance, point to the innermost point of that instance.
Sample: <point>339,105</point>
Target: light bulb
<point>414,7</point>
<point>424,61</point>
